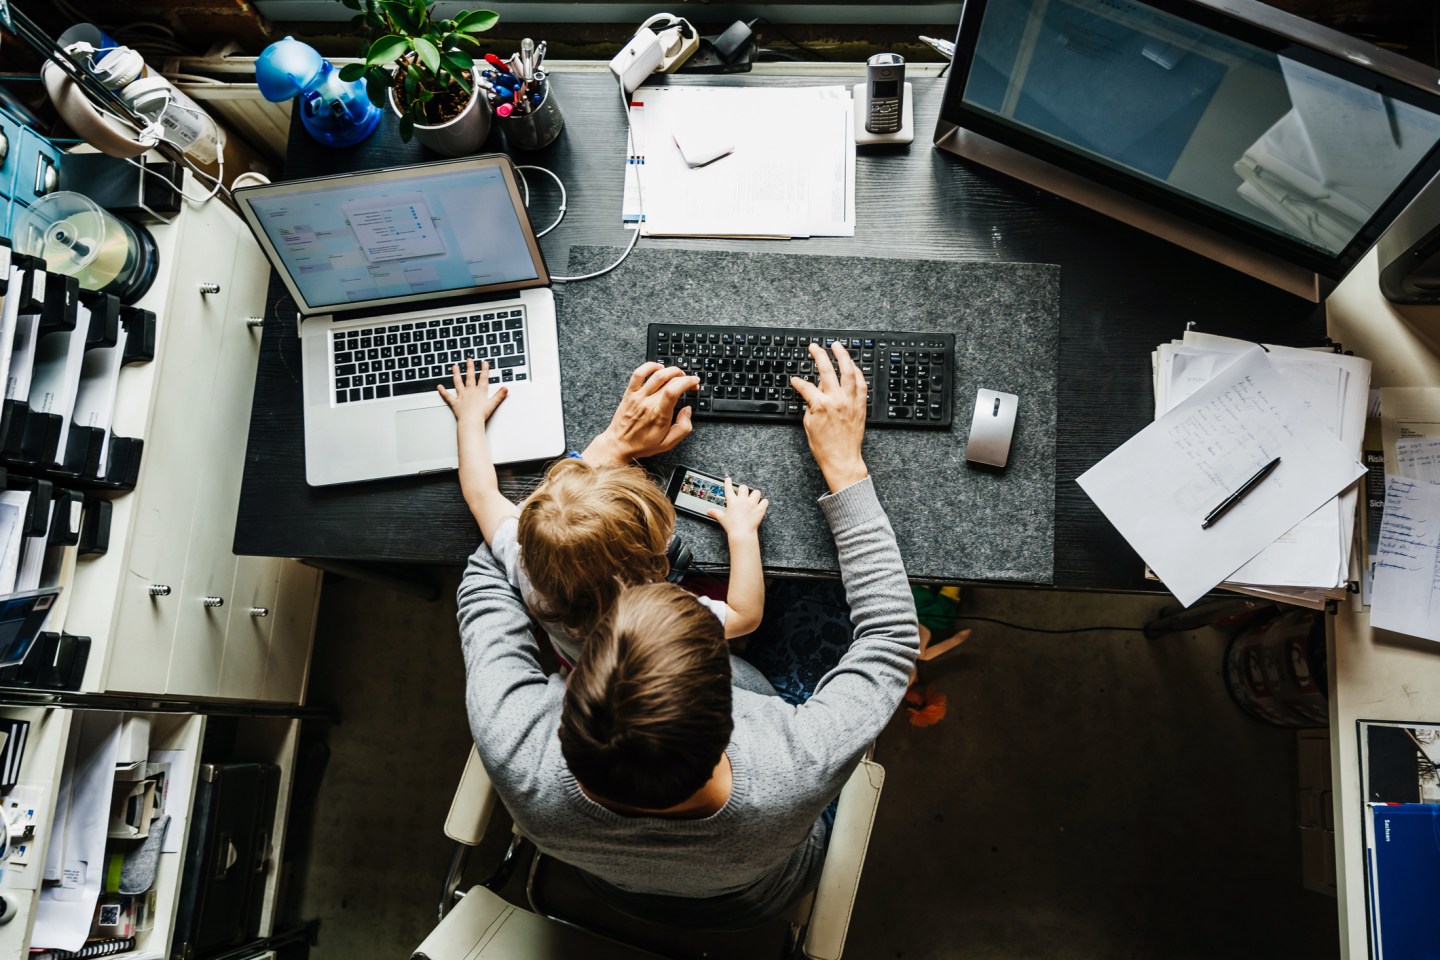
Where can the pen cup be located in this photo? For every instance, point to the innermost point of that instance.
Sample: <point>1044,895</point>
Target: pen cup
<point>539,127</point>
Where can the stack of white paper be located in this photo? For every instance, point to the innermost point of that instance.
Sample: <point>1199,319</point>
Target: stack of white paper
<point>1309,564</point>
<point>1223,416</point>
<point>790,171</point>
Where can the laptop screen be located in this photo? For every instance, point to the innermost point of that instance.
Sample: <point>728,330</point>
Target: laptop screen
<point>397,236</point>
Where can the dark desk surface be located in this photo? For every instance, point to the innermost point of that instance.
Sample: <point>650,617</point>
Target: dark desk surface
<point>1122,292</point>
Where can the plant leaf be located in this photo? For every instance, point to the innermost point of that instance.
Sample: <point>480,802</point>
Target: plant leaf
<point>476,21</point>
<point>459,78</point>
<point>352,72</point>
<point>467,38</point>
<point>429,53</point>
<point>407,127</point>
<point>387,49</point>
<point>458,64</point>
<point>377,84</point>
<point>412,83</point>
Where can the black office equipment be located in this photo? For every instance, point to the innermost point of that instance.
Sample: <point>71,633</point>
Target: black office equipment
<point>745,371</point>
<point>227,857</point>
<point>1244,133</point>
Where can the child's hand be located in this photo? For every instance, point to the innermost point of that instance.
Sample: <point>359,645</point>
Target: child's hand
<point>744,509</point>
<point>471,400</point>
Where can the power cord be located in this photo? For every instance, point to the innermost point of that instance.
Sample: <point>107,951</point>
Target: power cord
<point>639,195</point>
<point>558,182</point>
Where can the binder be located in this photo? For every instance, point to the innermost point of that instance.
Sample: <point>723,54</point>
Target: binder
<point>37,511</point>
<point>94,538</point>
<point>104,329</point>
<point>67,518</point>
<point>139,326</point>
<point>13,753</point>
<point>23,614</point>
<point>1403,874</point>
<point>226,859</point>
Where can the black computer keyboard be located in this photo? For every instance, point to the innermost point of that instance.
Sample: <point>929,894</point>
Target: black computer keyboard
<point>745,371</point>
<point>395,359</point>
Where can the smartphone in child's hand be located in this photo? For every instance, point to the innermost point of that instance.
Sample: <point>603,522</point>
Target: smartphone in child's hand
<point>694,492</point>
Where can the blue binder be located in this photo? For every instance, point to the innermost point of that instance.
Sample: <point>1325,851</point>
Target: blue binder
<point>1403,861</point>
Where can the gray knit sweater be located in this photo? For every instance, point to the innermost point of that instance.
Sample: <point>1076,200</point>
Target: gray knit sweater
<point>765,847</point>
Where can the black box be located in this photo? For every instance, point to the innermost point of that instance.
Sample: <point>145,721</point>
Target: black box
<point>227,858</point>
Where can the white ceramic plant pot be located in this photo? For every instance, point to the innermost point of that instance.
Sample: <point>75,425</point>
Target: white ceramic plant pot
<point>463,135</point>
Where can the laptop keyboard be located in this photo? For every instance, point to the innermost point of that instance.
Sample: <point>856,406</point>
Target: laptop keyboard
<point>398,359</point>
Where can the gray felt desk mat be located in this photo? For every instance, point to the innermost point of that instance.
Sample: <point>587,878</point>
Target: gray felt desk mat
<point>953,522</point>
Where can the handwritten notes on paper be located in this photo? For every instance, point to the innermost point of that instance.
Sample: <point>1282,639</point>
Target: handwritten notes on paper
<point>1407,572</point>
<point>1159,485</point>
<point>1418,458</point>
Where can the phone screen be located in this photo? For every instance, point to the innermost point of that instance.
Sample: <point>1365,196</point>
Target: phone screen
<point>884,89</point>
<point>699,493</point>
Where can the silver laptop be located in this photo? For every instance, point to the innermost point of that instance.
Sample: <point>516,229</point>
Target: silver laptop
<point>399,274</point>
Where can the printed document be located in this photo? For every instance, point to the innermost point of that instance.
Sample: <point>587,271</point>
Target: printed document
<point>791,172</point>
<point>1158,487</point>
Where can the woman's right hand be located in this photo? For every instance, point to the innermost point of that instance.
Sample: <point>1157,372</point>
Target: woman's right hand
<point>835,416</point>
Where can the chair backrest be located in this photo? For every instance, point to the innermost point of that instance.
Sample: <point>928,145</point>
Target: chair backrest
<point>482,926</point>
<point>472,805</point>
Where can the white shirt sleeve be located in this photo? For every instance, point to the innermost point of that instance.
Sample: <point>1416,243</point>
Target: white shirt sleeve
<point>506,549</point>
<point>717,607</point>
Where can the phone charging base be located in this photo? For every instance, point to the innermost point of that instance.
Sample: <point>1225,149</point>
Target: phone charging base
<point>906,133</point>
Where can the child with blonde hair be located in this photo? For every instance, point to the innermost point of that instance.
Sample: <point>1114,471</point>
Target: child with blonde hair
<point>592,529</point>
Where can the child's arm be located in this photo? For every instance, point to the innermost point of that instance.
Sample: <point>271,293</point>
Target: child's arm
<point>744,509</point>
<point>472,404</point>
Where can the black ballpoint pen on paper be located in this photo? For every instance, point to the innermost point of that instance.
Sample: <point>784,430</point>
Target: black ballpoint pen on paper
<point>1235,497</point>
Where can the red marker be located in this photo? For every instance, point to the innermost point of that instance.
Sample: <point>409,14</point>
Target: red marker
<point>497,63</point>
<point>504,110</point>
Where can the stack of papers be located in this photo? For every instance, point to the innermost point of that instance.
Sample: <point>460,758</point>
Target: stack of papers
<point>1224,409</point>
<point>786,166</point>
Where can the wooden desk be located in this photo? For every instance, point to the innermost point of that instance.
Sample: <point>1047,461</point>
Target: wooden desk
<point>1122,293</point>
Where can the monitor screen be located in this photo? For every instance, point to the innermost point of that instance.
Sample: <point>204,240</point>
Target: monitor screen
<point>1294,150</point>
<point>354,240</point>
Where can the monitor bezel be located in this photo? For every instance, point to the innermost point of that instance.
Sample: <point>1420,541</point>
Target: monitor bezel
<point>1259,26</point>
<point>414,174</point>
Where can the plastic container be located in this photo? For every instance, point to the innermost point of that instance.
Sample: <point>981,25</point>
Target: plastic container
<point>536,129</point>
<point>76,237</point>
<point>334,112</point>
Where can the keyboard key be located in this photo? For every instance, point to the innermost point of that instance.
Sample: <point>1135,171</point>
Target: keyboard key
<point>510,361</point>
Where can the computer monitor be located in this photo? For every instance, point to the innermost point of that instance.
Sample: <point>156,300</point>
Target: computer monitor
<point>1254,137</point>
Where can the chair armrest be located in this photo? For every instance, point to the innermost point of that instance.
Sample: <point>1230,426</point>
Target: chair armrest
<point>840,877</point>
<point>473,804</point>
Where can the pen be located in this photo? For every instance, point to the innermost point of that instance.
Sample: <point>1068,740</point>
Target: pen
<point>539,54</point>
<point>945,48</point>
<point>1235,497</point>
<point>527,55</point>
<point>499,65</point>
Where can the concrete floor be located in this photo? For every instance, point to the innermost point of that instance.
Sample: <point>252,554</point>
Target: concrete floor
<point>1093,795</point>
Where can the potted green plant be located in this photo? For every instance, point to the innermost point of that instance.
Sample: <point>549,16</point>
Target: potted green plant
<point>424,69</point>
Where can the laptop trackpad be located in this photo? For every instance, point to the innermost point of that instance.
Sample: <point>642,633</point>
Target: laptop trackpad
<point>424,434</point>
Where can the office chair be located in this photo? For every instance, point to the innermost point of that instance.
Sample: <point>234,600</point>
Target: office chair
<point>479,925</point>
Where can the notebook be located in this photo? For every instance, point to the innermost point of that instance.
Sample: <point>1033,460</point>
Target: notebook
<point>400,274</point>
